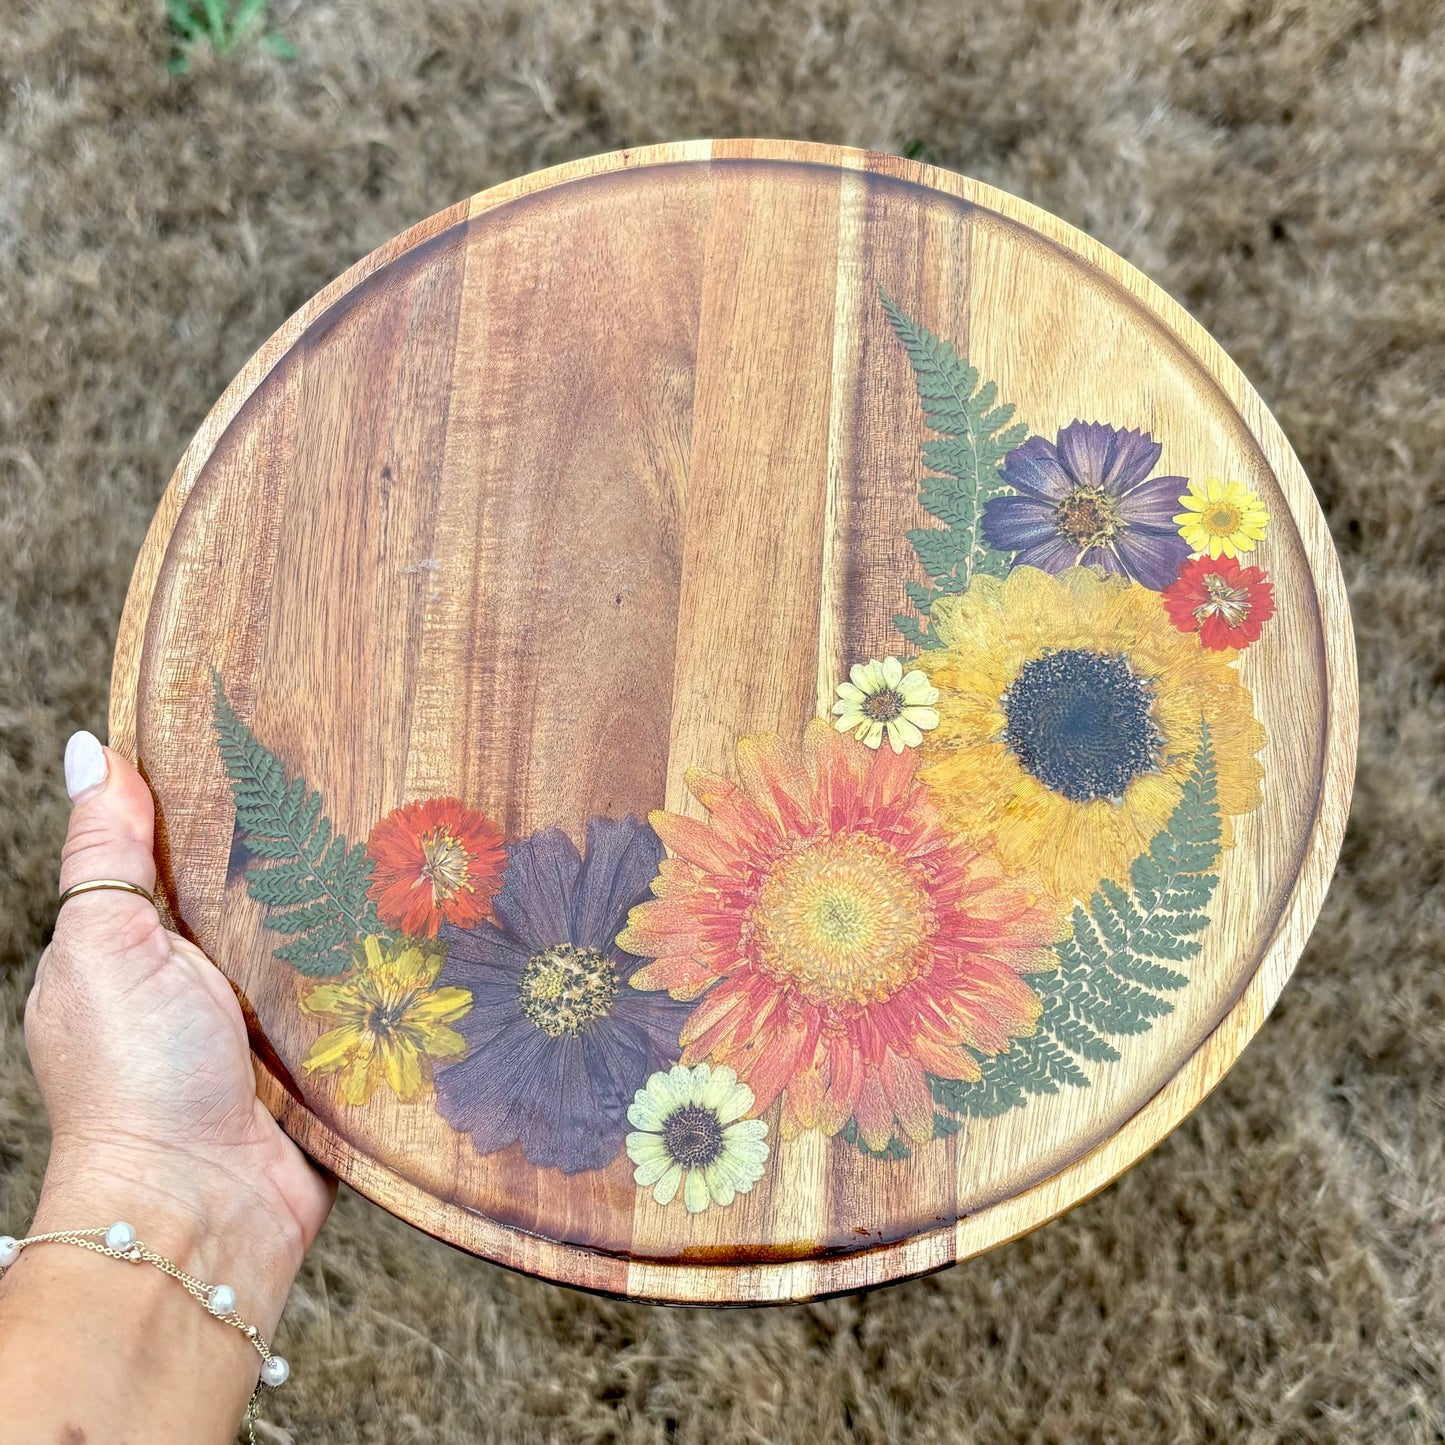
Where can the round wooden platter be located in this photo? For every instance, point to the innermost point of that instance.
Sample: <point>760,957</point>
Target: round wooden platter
<point>571,509</point>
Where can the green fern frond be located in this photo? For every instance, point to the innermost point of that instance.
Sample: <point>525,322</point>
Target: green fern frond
<point>312,883</point>
<point>975,434</point>
<point>895,1148</point>
<point>1113,974</point>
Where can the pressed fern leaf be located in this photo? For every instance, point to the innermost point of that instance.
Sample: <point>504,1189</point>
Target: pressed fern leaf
<point>1113,971</point>
<point>311,882</point>
<point>895,1148</point>
<point>974,436</point>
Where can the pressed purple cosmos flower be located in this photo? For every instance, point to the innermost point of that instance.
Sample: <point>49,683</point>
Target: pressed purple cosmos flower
<point>558,1041</point>
<point>1088,498</point>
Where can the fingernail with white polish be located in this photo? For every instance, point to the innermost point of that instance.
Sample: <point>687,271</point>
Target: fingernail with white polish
<point>84,763</point>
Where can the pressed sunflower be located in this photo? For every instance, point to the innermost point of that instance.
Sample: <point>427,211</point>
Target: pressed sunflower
<point>690,1133</point>
<point>882,700</point>
<point>841,945</point>
<point>1069,714</point>
<point>390,1022</point>
<point>1221,518</point>
<point>432,863</point>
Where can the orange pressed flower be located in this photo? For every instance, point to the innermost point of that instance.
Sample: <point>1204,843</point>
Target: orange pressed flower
<point>841,944</point>
<point>434,862</point>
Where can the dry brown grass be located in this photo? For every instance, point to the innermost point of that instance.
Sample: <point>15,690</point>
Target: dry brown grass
<point>1276,1270</point>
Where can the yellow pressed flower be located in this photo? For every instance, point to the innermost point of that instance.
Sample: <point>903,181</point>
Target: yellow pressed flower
<point>390,1023</point>
<point>1069,716</point>
<point>882,700</point>
<point>1221,517</point>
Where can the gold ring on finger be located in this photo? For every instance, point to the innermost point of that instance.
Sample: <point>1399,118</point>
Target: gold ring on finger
<point>96,885</point>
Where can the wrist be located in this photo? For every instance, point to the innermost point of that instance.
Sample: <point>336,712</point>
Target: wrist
<point>103,1349</point>
<point>203,1220</point>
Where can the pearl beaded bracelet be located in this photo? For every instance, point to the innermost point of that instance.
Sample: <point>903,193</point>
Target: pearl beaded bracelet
<point>120,1242</point>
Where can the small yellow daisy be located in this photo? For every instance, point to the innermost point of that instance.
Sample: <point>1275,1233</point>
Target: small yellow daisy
<point>884,701</point>
<point>389,1022</point>
<point>1221,517</point>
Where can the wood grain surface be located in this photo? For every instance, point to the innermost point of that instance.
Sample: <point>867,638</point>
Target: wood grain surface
<point>558,495</point>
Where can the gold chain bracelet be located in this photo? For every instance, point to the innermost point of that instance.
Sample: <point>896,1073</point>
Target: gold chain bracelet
<point>119,1242</point>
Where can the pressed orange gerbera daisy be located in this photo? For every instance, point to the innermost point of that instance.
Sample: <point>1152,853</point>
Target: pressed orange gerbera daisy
<point>842,946</point>
<point>432,862</point>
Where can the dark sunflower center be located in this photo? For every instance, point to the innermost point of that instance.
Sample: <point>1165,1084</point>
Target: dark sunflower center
<point>1087,516</point>
<point>1081,723</point>
<point>883,706</point>
<point>693,1136</point>
<point>567,989</point>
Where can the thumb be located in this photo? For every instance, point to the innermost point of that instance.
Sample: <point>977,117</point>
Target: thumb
<point>112,822</point>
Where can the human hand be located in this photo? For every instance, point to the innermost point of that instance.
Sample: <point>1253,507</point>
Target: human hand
<point>140,1050</point>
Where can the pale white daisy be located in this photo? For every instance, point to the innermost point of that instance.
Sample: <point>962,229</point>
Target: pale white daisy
<point>690,1133</point>
<point>882,700</point>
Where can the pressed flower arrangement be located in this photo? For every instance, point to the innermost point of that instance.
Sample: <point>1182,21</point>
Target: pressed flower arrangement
<point>969,885</point>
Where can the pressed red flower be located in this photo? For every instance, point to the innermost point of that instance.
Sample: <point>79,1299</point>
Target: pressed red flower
<point>840,944</point>
<point>1226,604</point>
<point>434,862</point>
